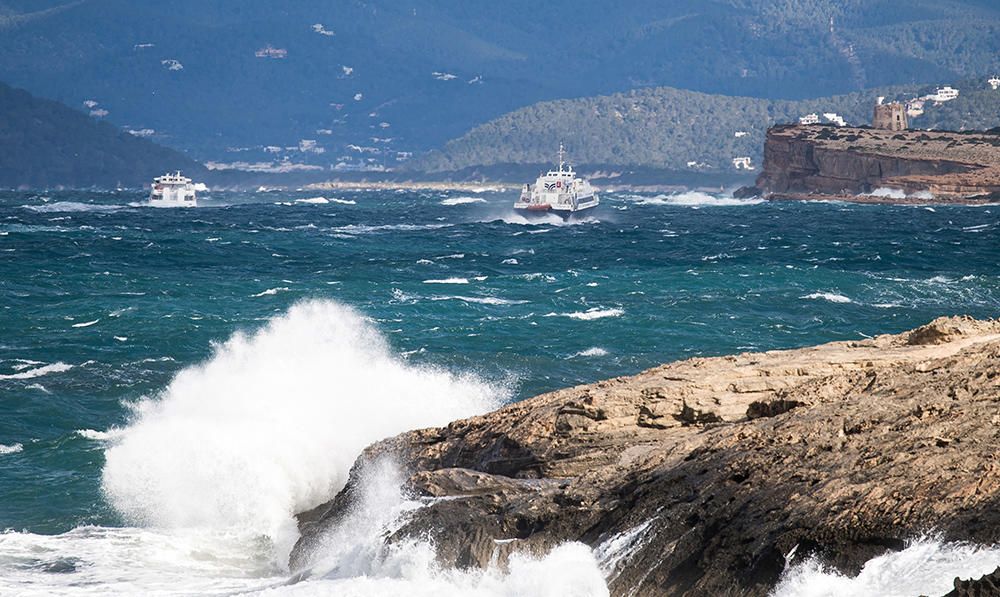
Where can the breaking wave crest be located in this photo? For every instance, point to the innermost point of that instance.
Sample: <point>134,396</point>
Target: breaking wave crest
<point>693,199</point>
<point>71,206</point>
<point>270,425</point>
<point>462,200</point>
<point>827,296</point>
<point>38,371</point>
<point>926,567</point>
<point>352,559</point>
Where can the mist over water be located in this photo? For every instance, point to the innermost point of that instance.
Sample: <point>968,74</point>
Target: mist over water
<point>177,384</point>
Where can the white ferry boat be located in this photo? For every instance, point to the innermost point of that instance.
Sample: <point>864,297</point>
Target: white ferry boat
<point>557,192</point>
<point>173,190</point>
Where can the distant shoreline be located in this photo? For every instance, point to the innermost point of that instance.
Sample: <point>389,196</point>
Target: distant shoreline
<point>881,200</point>
<point>480,187</point>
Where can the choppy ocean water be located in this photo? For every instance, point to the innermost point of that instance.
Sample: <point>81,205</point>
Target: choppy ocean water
<point>175,384</point>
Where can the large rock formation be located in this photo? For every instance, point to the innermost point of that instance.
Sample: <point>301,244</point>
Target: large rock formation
<point>815,162</point>
<point>710,476</point>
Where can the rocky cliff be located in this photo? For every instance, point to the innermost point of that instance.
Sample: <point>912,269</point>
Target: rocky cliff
<point>710,476</point>
<point>803,162</point>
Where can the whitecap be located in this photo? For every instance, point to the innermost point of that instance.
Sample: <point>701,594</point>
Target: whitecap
<point>448,281</point>
<point>590,314</point>
<point>10,449</point>
<point>462,200</point>
<point>270,292</point>
<point>25,364</point>
<point>343,201</point>
<point>482,300</point>
<point>364,229</point>
<point>595,351</point>
<point>314,200</point>
<point>71,206</point>
<point>694,199</point>
<point>827,296</point>
<point>510,262</point>
<point>85,324</point>
<point>99,436</point>
<point>58,367</point>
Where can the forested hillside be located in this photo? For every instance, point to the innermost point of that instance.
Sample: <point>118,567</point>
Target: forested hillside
<point>46,144</point>
<point>362,83</point>
<point>681,130</point>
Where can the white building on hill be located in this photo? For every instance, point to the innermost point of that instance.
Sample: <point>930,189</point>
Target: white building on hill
<point>994,83</point>
<point>915,107</point>
<point>809,119</point>
<point>944,94</point>
<point>743,163</point>
<point>835,118</point>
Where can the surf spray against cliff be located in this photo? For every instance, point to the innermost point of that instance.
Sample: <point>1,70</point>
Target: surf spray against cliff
<point>215,467</point>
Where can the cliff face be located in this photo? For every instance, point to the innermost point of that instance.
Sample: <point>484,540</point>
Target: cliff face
<point>711,475</point>
<point>845,162</point>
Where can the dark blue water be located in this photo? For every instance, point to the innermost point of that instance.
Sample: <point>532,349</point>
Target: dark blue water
<point>103,302</point>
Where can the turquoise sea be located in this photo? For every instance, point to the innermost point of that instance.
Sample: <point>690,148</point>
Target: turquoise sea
<point>175,383</point>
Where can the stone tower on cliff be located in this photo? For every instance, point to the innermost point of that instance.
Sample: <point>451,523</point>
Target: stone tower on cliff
<point>890,117</point>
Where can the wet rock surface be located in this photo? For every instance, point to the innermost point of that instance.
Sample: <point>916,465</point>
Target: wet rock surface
<point>986,586</point>
<point>710,476</point>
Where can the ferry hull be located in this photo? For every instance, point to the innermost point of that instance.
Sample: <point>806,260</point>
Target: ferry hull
<point>541,213</point>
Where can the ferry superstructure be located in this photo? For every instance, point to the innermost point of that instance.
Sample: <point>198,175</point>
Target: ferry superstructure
<point>558,192</point>
<point>173,190</point>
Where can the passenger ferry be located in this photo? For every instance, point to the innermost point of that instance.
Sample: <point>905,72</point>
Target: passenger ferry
<point>173,190</point>
<point>557,192</point>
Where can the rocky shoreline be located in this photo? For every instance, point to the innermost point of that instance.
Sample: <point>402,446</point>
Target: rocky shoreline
<point>809,162</point>
<point>711,476</point>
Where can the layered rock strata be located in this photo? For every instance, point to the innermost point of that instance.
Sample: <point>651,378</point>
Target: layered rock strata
<point>815,162</point>
<point>711,476</point>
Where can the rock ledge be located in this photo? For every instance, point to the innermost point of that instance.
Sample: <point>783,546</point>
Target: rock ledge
<point>709,476</point>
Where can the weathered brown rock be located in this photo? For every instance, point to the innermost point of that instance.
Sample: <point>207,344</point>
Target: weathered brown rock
<point>986,586</point>
<point>721,466</point>
<point>817,162</point>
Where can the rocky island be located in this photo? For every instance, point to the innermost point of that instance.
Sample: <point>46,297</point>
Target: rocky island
<point>806,162</point>
<point>711,476</point>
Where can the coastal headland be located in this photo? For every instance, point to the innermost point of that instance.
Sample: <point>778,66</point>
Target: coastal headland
<point>815,162</point>
<point>711,476</point>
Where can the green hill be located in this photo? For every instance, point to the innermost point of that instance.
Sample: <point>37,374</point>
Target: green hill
<point>46,144</point>
<point>675,129</point>
<point>370,80</point>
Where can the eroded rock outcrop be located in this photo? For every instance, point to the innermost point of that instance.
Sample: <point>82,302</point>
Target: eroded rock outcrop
<point>709,476</point>
<point>813,162</point>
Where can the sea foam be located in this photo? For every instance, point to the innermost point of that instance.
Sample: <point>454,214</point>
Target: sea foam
<point>926,567</point>
<point>270,425</point>
<point>352,558</point>
<point>10,449</point>
<point>693,199</point>
<point>39,371</point>
<point>461,200</point>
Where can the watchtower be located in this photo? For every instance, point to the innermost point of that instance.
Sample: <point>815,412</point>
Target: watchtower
<point>891,117</point>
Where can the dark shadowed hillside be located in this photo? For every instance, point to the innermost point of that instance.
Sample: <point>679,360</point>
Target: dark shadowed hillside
<point>46,144</point>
